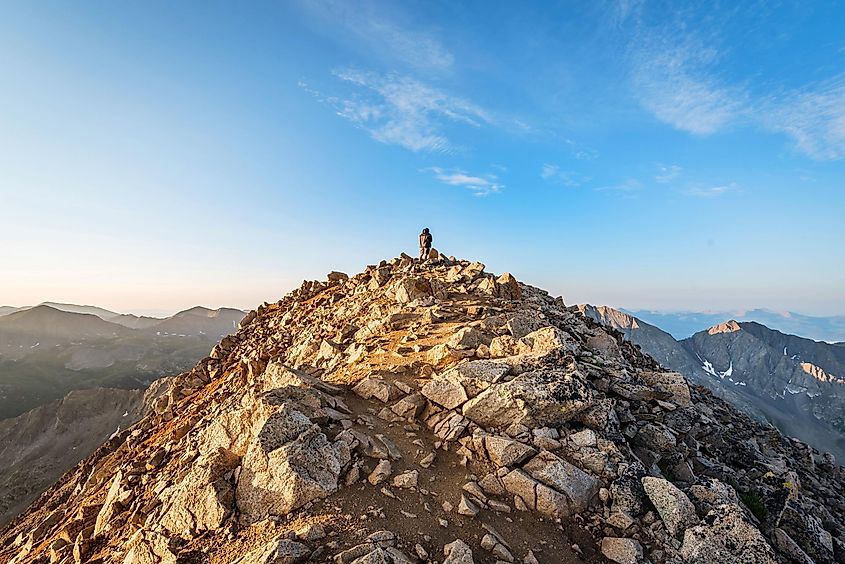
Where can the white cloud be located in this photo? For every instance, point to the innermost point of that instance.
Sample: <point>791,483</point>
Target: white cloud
<point>549,171</point>
<point>622,10</point>
<point>553,174</point>
<point>673,78</point>
<point>630,185</point>
<point>403,111</point>
<point>479,185</point>
<point>814,117</point>
<point>667,173</point>
<point>701,191</point>
<point>581,152</point>
<point>676,75</point>
<point>384,37</point>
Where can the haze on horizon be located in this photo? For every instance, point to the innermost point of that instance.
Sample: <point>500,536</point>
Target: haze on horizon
<point>645,155</point>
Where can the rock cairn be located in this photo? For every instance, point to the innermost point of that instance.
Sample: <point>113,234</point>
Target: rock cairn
<point>435,413</point>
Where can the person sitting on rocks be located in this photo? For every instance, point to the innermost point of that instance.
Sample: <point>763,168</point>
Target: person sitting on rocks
<point>425,243</point>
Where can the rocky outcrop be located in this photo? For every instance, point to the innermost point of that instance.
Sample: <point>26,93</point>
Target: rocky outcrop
<point>288,464</point>
<point>536,399</point>
<point>727,537</point>
<point>435,412</point>
<point>674,507</point>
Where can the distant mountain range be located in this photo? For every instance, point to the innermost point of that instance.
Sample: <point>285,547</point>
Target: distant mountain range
<point>51,349</point>
<point>191,321</point>
<point>797,384</point>
<point>683,324</point>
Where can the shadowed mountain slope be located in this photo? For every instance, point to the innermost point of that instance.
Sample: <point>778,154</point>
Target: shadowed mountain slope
<point>792,382</point>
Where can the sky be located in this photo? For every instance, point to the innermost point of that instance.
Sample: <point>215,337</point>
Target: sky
<point>648,155</point>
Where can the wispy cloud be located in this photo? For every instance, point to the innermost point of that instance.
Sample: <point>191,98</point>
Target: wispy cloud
<point>814,117</point>
<point>667,173</point>
<point>710,191</point>
<point>552,173</point>
<point>549,171</point>
<point>581,152</point>
<point>403,111</point>
<point>630,185</point>
<point>382,36</point>
<point>673,78</point>
<point>621,10</point>
<point>678,74</point>
<point>479,185</point>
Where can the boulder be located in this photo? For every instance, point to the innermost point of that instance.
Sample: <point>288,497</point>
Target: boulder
<point>467,338</point>
<point>478,375</point>
<point>111,506</point>
<point>410,289</point>
<point>671,382</point>
<point>622,550</point>
<point>578,486</point>
<point>439,353</point>
<point>203,499</point>
<point>726,537</point>
<point>406,479</point>
<point>673,505</point>
<point>288,464</point>
<point>448,425</point>
<point>445,391</point>
<point>535,495</point>
<point>790,548</point>
<point>372,387</point>
<point>548,339</point>
<point>603,345</point>
<point>467,507</point>
<point>507,288</point>
<point>381,473</point>
<point>522,323</point>
<point>503,346</point>
<point>334,277</point>
<point>278,375</point>
<point>283,551</point>
<point>807,531</point>
<point>656,437</point>
<point>546,397</point>
<point>458,552</point>
<point>506,452</point>
<point>148,547</point>
<point>410,406</point>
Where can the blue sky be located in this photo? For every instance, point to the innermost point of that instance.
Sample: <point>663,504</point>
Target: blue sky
<point>157,155</point>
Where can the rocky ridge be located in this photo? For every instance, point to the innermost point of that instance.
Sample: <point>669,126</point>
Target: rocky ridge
<point>436,413</point>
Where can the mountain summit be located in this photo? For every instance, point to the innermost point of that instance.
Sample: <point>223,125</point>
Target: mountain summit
<point>436,412</point>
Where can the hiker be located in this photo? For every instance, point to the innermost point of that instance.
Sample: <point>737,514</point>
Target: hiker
<point>425,244</point>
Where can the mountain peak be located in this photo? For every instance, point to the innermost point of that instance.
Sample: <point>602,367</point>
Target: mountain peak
<point>434,398</point>
<point>82,309</point>
<point>45,312</point>
<point>731,326</point>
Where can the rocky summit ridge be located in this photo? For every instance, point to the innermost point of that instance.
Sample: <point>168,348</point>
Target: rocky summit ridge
<point>435,413</point>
